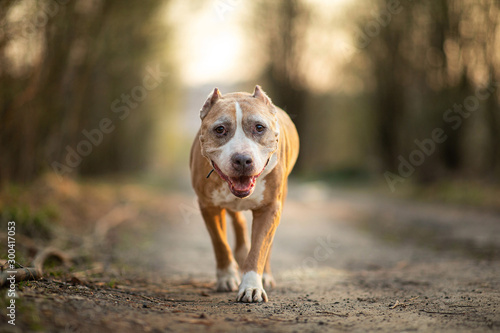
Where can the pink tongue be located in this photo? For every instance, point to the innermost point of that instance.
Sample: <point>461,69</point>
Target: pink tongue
<point>242,183</point>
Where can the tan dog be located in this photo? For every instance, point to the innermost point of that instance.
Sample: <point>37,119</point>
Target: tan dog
<point>253,146</point>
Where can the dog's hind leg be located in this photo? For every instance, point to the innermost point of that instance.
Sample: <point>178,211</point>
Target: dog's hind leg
<point>228,277</point>
<point>241,235</point>
<point>267,277</point>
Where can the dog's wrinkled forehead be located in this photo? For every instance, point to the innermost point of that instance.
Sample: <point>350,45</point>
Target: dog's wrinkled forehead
<point>235,108</point>
<point>222,111</point>
<point>238,111</point>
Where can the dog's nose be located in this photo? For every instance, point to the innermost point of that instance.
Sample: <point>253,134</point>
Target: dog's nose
<point>242,162</point>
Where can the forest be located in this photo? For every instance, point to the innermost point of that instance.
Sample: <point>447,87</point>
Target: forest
<point>392,216</point>
<point>389,91</point>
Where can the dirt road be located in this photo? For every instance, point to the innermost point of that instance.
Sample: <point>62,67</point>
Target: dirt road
<point>342,261</point>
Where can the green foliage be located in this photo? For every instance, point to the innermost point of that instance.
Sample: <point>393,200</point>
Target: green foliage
<point>91,55</point>
<point>112,283</point>
<point>406,72</point>
<point>28,315</point>
<point>35,224</point>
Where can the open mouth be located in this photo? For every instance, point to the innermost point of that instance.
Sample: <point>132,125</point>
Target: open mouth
<point>241,186</point>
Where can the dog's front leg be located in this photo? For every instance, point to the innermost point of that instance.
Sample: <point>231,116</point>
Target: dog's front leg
<point>227,270</point>
<point>265,222</point>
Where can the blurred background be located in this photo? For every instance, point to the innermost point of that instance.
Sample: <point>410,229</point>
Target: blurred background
<point>397,104</point>
<point>382,92</point>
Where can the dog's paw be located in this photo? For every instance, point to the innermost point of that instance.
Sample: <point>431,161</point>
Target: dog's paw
<point>249,295</point>
<point>251,289</point>
<point>268,281</point>
<point>228,279</point>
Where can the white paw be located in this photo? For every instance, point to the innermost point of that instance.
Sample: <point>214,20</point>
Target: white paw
<point>228,279</point>
<point>251,289</point>
<point>268,281</point>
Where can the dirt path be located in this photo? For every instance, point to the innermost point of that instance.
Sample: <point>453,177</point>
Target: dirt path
<point>343,262</point>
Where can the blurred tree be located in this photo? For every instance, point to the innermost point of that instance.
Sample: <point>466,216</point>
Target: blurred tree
<point>284,23</point>
<point>429,59</point>
<point>63,65</point>
<point>389,68</point>
<point>421,62</point>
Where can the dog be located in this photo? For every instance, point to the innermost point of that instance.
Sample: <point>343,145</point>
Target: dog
<point>252,146</point>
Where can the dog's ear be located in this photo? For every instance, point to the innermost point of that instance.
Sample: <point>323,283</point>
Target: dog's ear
<point>212,98</point>
<point>260,94</point>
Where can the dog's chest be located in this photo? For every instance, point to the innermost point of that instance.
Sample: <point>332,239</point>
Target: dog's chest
<point>223,197</point>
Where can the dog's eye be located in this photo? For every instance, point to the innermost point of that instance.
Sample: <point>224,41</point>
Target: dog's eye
<point>220,130</point>
<point>259,128</point>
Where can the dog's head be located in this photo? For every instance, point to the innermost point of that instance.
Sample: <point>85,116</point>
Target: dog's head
<point>239,134</point>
